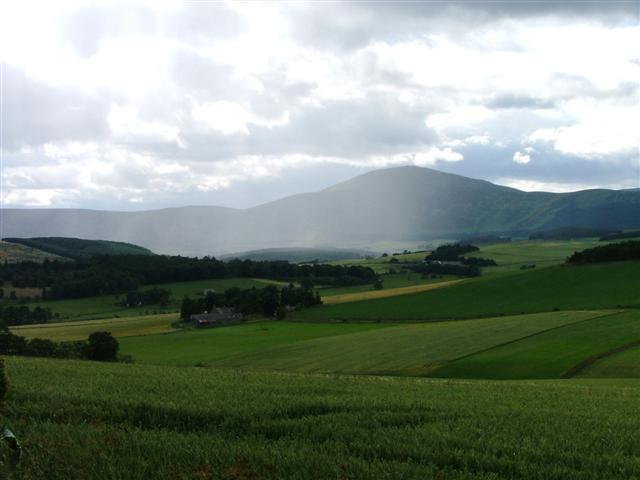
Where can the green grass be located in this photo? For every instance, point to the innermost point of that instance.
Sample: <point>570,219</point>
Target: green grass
<point>625,364</point>
<point>549,354</point>
<point>396,280</point>
<point>568,288</point>
<point>107,421</point>
<point>118,327</point>
<point>205,346</point>
<point>414,349</point>
<point>108,306</point>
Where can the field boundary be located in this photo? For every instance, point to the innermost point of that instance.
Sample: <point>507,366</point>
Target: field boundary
<point>531,335</point>
<point>580,367</point>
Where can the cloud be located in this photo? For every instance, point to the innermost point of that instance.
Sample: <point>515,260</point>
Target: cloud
<point>521,158</point>
<point>163,103</point>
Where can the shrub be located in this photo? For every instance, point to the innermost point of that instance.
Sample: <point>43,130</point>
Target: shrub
<point>101,346</point>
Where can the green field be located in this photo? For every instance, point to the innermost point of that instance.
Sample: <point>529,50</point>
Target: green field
<point>365,348</point>
<point>109,421</point>
<point>562,287</point>
<point>549,354</point>
<point>108,306</point>
<point>396,280</point>
<point>118,327</point>
<point>206,346</point>
<point>624,364</point>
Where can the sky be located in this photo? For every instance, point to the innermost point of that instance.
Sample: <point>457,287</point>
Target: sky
<point>143,105</point>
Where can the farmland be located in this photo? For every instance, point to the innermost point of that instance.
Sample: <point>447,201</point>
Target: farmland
<point>110,306</point>
<point>109,421</point>
<point>118,327</point>
<point>612,285</point>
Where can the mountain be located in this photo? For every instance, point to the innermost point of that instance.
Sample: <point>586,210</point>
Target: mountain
<point>396,204</point>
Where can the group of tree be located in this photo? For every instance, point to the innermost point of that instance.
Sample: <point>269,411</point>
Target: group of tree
<point>478,261</point>
<point>100,346</point>
<point>152,296</point>
<point>452,252</point>
<point>612,252</point>
<point>23,315</point>
<point>113,274</point>
<point>568,233</point>
<point>620,235</point>
<point>427,269</point>
<point>268,301</point>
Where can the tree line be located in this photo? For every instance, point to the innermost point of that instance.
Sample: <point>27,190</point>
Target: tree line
<point>268,301</point>
<point>613,252</point>
<point>100,346</point>
<point>113,274</point>
<point>23,315</point>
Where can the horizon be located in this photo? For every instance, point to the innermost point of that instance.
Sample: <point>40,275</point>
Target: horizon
<point>147,106</point>
<point>293,195</point>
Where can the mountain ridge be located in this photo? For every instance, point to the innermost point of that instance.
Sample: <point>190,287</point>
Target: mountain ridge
<point>394,204</point>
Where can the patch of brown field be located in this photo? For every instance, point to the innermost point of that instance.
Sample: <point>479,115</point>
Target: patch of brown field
<point>391,292</point>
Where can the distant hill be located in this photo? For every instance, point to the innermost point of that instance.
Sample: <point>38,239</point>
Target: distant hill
<point>300,255</point>
<point>396,204</point>
<point>77,247</point>
<point>14,252</point>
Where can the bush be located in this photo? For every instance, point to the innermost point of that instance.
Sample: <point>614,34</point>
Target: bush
<point>101,346</point>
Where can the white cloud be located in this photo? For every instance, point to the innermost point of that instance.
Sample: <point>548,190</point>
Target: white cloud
<point>521,158</point>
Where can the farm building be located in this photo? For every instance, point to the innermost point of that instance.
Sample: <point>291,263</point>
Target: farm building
<point>216,317</point>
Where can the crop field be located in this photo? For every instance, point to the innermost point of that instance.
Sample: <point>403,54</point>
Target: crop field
<point>205,346</point>
<point>552,353</point>
<point>118,327</point>
<point>387,292</point>
<point>625,364</point>
<point>110,421</point>
<point>607,285</point>
<point>109,306</point>
<point>395,280</point>
<point>364,348</point>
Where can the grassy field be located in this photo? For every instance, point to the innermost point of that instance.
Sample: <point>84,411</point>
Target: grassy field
<point>205,346</point>
<point>563,287</point>
<point>108,421</point>
<point>387,292</point>
<point>118,327</point>
<point>108,306</point>
<point>549,354</point>
<point>625,364</point>
<point>394,349</point>
<point>396,280</point>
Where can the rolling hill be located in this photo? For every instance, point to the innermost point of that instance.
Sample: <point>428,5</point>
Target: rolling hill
<point>399,204</point>
<point>77,247</point>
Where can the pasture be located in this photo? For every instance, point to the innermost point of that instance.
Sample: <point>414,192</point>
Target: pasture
<point>607,285</point>
<point>110,306</point>
<point>118,327</point>
<point>113,421</point>
<point>624,364</point>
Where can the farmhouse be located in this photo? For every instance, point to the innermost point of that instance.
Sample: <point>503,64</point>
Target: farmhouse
<point>216,317</point>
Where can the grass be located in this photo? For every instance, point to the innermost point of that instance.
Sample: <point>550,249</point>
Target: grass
<point>109,421</point>
<point>396,349</point>
<point>205,346</point>
<point>413,349</point>
<point>561,287</point>
<point>384,293</point>
<point>108,306</point>
<point>395,280</point>
<point>549,354</point>
<point>625,364</point>
<point>118,327</point>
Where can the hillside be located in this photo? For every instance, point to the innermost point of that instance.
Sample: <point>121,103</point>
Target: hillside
<point>299,255</point>
<point>77,247</point>
<point>399,204</point>
<point>15,252</point>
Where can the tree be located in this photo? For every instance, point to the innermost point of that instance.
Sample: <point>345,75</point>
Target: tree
<point>377,284</point>
<point>40,347</point>
<point>101,346</point>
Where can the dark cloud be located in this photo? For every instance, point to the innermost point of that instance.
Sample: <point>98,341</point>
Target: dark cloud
<point>350,25</point>
<point>515,100</point>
